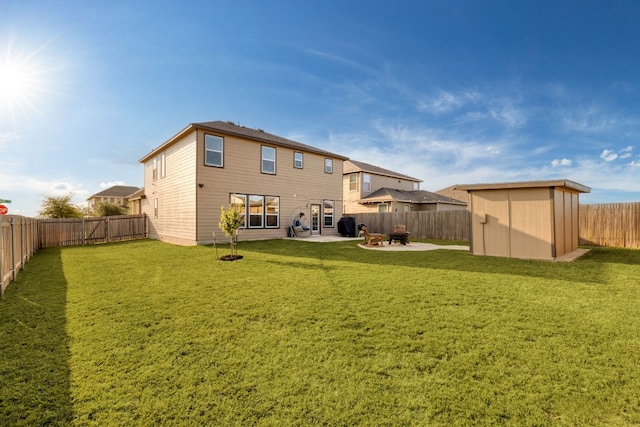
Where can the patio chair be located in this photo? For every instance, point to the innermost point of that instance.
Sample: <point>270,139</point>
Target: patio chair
<point>372,239</point>
<point>299,229</point>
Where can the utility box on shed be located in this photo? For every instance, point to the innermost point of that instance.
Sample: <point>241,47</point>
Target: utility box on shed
<point>531,220</point>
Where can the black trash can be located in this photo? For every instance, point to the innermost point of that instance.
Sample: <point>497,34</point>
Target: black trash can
<point>347,226</point>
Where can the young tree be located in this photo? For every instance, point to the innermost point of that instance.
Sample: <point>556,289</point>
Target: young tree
<point>59,207</point>
<point>230,222</point>
<point>110,209</point>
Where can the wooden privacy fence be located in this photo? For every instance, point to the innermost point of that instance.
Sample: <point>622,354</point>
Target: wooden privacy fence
<point>18,243</point>
<point>83,231</point>
<point>610,224</point>
<point>445,225</point>
<point>21,237</point>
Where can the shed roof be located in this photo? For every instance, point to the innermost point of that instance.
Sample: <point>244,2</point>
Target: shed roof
<point>351,166</point>
<point>557,183</point>
<point>230,128</point>
<point>116,191</point>
<point>415,196</point>
<point>454,193</point>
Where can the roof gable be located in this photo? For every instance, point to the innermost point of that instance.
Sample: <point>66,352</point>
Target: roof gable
<point>416,196</point>
<point>259,135</point>
<point>351,166</point>
<point>116,191</point>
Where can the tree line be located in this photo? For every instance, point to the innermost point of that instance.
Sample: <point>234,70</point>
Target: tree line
<point>62,207</point>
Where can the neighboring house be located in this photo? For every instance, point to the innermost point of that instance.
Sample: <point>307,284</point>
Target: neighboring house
<point>135,202</point>
<point>368,188</point>
<point>116,195</point>
<point>271,179</point>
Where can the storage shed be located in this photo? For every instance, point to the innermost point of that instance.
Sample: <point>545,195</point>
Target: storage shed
<point>532,220</point>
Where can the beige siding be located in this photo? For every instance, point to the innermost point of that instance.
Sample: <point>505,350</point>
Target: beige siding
<point>351,198</point>
<point>531,232</point>
<point>296,188</point>
<point>566,221</point>
<point>528,222</point>
<point>490,223</point>
<point>176,194</point>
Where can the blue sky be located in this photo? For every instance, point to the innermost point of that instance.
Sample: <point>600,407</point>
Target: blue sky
<point>451,92</point>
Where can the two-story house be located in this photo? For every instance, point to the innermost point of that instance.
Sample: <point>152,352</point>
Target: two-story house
<point>367,188</point>
<point>270,179</point>
<point>116,195</point>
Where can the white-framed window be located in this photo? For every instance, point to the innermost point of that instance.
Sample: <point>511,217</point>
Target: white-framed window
<point>256,211</point>
<point>327,212</point>
<point>272,212</point>
<point>328,165</point>
<point>155,208</point>
<point>416,185</point>
<point>366,182</point>
<point>163,165</point>
<point>382,208</point>
<point>298,160</point>
<point>239,202</point>
<point>353,182</point>
<point>154,168</point>
<point>268,160</point>
<point>262,211</point>
<point>213,151</point>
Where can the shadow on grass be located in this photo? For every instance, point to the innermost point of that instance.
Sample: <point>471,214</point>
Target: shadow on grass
<point>587,269</point>
<point>34,368</point>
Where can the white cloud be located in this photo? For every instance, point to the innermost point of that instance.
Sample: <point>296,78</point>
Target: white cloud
<point>626,152</point>
<point>635,163</point>
<point>447,101</point>
<point>608,155</point>
<point>111,184</point>
<point>563,162</point>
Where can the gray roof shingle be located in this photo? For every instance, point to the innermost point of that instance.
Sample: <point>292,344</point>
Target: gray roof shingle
<point>415,196</point>
<point>351,166</point>
<point>230,128</point>
<point>116,191</point>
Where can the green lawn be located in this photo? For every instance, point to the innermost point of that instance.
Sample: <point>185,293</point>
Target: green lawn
<point>300,333</point>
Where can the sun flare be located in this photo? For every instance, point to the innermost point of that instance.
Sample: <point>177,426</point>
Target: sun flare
<point>24,79</point>
<point>17,82</point>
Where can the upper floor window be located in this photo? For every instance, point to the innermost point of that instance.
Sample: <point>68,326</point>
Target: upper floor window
<point>328,165</point>
<point>213,150</point>
<point>163,165</point>
<point>353,182</point>
<point>366,182</point>
<point>154,168</point>
<point>268,160</point>
<point>297,160</point>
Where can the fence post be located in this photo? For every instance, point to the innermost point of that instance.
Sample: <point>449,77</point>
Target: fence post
<point>13,254</point>
<point>1,262</point>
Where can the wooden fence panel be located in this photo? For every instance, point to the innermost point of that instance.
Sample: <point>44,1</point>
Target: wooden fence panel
<point>18,243</point>
<point>445,225</point>
<point>91,230</point>
<point>610,224</point>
